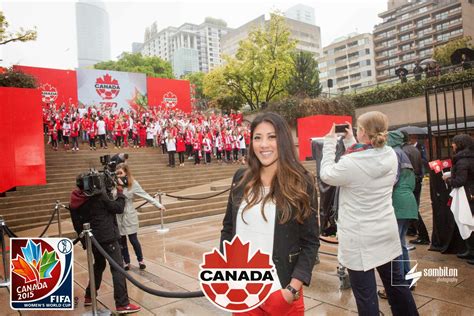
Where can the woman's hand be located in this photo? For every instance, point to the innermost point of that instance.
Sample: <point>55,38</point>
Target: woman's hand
<point>332,131</point>
<point>287,295</point>
<point>163,208</point>
<point>349,131</point>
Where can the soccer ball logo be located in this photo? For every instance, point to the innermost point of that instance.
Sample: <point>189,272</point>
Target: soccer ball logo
<point>49,93</point>
<point>236,282</point>
<point>170,100</point>
<point>107,87</point>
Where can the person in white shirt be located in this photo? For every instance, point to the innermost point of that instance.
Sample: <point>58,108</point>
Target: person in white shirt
<point>171,149</point>
<point>366,226</point>
<point>101,131</point>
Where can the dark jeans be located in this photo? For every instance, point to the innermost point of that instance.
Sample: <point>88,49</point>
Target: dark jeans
<point>404,258</point>
<point>118,279</point>
<point>103,141</point>
<point>136,247</point>
<point>75,143</point>
<point>181,157</point>
<point>364,288</point>
<point>171,159</point>
<point>92,141</point>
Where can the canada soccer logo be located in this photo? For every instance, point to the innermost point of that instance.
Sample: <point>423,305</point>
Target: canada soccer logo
<point>49,93</point>
<point>236,281</point>
<point>41,274</point>
<point>170,100</point>
<point>107,87</point>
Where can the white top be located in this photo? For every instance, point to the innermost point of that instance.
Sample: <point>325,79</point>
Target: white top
<point>170,144</point>
<point>241,142</point>
<point>258,231</point>
<point>100,127</point>
<point>366,227</point>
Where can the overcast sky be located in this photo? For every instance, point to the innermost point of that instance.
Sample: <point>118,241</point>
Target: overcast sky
<point>56,23</point>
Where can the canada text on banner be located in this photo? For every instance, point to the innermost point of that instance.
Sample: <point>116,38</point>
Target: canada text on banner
<point>41,272</point>
<point>112,90</point>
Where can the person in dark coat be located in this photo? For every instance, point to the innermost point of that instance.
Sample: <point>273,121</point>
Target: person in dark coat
<point>273,204</point>
<point>100,211</point>
<point>462,175</point>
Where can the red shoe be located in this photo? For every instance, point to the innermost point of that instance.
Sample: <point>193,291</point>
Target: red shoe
<point>128,309</point>
<point>87,301</point>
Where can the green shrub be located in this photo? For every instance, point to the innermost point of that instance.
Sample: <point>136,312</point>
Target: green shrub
<point>400,91</point>
<point>17,79</point>
<point>292,108</point>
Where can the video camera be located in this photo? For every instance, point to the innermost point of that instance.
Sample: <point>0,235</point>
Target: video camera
<point>98,182</point>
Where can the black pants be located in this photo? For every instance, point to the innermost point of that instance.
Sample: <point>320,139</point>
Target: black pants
<point>118,141</point>
<point>227,154</point>
<point>364,288</point>
<point>75,143</point>
<point>103,141</point>
<point>189,150</point>
<point>208,157</point>
<point>420,225</point>
<point>171,159</point>
<point>163,148</point>
<point>92,141</point>
<point>66,140</point>
<point>181,157</point>
<point>118,279</point>
<point>197,160</point>
<point>136,247</point>
<point>218,154</point>
<point>236,154</point>
<point>149,142</point>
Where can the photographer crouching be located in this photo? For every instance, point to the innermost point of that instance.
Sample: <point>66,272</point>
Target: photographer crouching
<point>96,200</point>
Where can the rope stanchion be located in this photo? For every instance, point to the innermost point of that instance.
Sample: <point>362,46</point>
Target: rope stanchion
<point>49,223</point>
<point>6,281</point>
<point>147,289</point>
<point>196,199</point>
<point>9,232</point>
<point>146,202</point>
<point>162,229</point>
<point>87,233</point>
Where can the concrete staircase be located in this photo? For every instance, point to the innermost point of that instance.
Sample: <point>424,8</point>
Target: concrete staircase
<point>31,207</point>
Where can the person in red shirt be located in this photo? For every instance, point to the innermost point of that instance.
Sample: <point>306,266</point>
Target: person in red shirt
<point>180,148</point>
<point>118,134</point>
<point>92,131</point>
<point>142,133</point>
<point>125,129</point>
<point>197,149</point>
<point>54,134</point>
<point>85,128</point>
<point>75,134</point>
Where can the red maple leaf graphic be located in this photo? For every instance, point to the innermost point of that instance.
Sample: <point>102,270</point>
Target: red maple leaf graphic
<point>107,79</point>
<point>236,256</point>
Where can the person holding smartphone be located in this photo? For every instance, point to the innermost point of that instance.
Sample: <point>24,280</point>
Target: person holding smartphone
<point>367,227</point>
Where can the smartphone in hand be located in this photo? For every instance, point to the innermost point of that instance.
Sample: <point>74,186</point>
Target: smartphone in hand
<point>341,128</point>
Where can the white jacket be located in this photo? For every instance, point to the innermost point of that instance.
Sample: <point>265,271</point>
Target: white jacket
<point>366,227</point>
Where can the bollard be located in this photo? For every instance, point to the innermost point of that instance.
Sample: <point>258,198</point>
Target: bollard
<point>58,213</point>
<point>162,229</point>
<point>6,281</point>
<point>90,264</point>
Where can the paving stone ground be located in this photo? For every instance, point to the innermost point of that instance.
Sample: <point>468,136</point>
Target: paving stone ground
<point>173,262</point>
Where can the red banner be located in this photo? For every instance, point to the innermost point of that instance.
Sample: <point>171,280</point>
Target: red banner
<point>169,93</point>
<point>56,85</point>
<point>315,126</point>
<point>21,138</point>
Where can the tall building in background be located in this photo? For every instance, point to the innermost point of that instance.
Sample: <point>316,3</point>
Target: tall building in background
<point>308,36</point>
<point>348,62</point>
<point>411,30</point>
<point>93,33</point>
<point>189,48</point>
<point>302,13</point>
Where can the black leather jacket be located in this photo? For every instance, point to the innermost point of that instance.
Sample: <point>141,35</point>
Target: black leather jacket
<point>295,245</point>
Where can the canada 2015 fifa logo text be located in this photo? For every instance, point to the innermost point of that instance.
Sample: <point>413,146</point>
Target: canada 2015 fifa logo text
<point>236,281</point>
<point>41,274</point>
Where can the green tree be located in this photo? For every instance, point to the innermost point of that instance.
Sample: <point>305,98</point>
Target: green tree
<point>21,35</point>
<point>196,78</point>
<point>152,66</point>
<point>17,79</point>
<point>304,80</point>
<point>218,92</point>
<point>442,54</point>
<point>262,66</point>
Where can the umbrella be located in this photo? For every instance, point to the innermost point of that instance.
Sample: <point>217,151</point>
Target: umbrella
<point>428,61</point>
<point>456,57</point>
<point>402,71</point>
<point>414,130</point>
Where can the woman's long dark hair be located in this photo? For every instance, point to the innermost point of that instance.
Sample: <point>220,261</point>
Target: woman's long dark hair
<point>289,186</point>
<point>463,141</point>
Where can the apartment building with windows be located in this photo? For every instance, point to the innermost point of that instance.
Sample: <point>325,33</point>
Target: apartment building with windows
<point>411,30</point>
<point>349,62</point>
<point>308,36</point>
<point>189,48</point>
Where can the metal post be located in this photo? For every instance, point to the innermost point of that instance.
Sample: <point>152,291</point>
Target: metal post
<point>58,213</point>
<point>6,281</point>
<point>162,229</point>
<point>90,263</point>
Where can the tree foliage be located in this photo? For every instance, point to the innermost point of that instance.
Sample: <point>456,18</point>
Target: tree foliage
<point>442,54</point>
<point>304,80</point>
<point>17,79</point>
<point>262,66</point>
<point>152,66</point>
<point>196,78</point>
<point>21,35</point>
<point>216,89</point>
